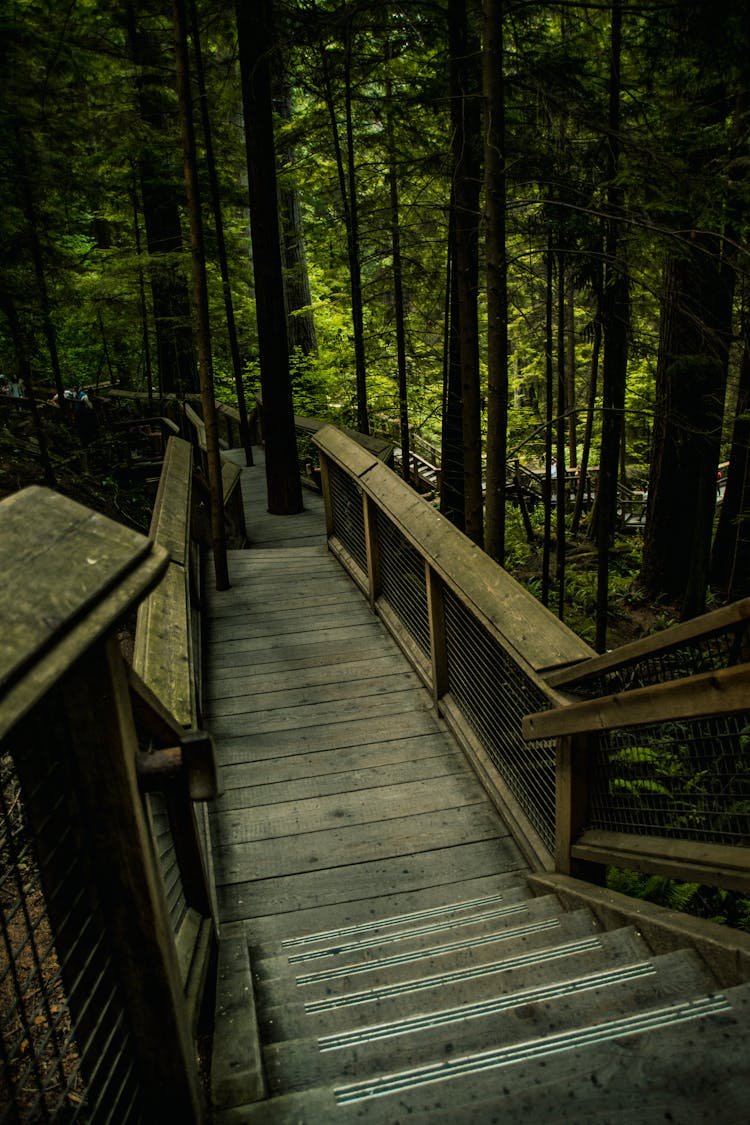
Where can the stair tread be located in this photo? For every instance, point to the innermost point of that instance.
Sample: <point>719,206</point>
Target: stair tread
<point>635,1078</point>
<point>296,1019</point>
<point>508,1020</point>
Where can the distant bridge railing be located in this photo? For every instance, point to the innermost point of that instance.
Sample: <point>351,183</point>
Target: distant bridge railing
<point>106,903</point>
<point>652,774</point>
<point>478,639</point>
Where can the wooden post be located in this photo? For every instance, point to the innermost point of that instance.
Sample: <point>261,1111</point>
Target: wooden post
<point>325,485</point>
<point>438,648</point>
<point>131,892</point>
<point>370,513</point>
<point>572,805</point>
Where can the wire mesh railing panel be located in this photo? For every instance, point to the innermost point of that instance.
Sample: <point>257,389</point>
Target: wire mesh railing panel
<point>687,779</point>
<point>402,581</point>
<point>66,1050</point>
<point>494,694</point>
<point>347,514</point>
<point>708,653</point>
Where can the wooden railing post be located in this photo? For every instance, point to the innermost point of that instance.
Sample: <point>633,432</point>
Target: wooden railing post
<point>131,892</point>
<point>325,486</point>
<point>572,805</point>
<point>370,513</point>
<point>438,647</point>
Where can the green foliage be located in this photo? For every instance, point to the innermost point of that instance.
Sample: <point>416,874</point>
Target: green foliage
<point>730,908</point>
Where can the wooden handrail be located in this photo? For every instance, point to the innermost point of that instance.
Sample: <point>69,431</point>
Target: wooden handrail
<point>710,693</point>
<point>709,624</point>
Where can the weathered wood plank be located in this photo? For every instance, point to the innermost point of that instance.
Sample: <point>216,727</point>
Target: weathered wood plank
<point>350,732</point>
<point>310,656</point>
<point>282,624</point>
<point>358,843</point>
<point>719,865</point>
<point>289,694</point>
<point>259,680</point>
<point>320,714</point>
<point>325,784</point>
<point>382,801</point>
<point>387,756</point>
<point>162,651</point>
<point>170,517</point>
<point>355,882</point>
<point>340,635</point>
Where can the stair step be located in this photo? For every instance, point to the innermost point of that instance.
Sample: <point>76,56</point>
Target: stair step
<point>472,984</point>
<point>436,937</point>
<point>520,1024</point>
<point>686,1065</point>
<point>266,930</point>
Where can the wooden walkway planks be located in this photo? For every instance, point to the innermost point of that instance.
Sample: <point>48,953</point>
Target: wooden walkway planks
<point>341,783</point>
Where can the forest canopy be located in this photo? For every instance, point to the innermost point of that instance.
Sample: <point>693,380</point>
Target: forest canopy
<point>510,231</point>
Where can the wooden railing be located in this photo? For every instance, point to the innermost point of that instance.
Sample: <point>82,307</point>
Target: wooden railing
<point>106,914</point>
<point>655,778</point>
<point>653,758</point>
<point>477,637</point>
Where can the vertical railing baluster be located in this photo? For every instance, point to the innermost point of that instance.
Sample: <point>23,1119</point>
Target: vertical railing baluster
<point>438,646</point>
<point>370,514</point>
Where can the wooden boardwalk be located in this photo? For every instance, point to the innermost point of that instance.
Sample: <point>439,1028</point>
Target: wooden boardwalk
<point>341,784</point>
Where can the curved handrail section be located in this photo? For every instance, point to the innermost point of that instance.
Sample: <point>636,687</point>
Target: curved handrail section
<point>475,635</point>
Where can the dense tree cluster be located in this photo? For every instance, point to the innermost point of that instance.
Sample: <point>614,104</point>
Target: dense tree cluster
<point>511,228</point>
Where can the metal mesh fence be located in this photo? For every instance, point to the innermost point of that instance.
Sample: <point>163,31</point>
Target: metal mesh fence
<point>402,581</point>
<point>494,694</point>
<point>688,780</point>
<point>67,1053</point>
<point>347,513</point>
<point>707,653</point>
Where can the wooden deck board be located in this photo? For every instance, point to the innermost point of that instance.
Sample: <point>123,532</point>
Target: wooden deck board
<point>341,782</point>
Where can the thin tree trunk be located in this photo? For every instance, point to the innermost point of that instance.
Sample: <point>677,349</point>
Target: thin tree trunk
<point>570,371</point>
<point>221,247</point>
<point>142,299</point>
<point>200,296</point>
<point>615,329</point>
<point>346,176</point>
<point>398,289</point>
<point>465,137</point>
<point>452,502</point>
<point>497,279</point>
<point>549,408</point>
<point>24,371</point>
<point>255,35</point>
<point>562,482</point>
<point>590,410</point>
<point>730,563</point>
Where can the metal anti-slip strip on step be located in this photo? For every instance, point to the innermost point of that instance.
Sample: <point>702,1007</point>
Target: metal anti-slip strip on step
<point>455,976</point>
<point>392,920</point>
<point>656,1019</point>
<point>491,1006</point>
<point>423,954</point>
<point>415,931</point>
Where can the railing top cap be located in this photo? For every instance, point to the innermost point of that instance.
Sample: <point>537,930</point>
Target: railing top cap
<point>68,575</point>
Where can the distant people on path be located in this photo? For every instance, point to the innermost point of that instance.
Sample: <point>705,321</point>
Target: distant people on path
<point>11,388</point>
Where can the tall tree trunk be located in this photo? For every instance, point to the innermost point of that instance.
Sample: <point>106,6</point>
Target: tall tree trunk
<point>550,412</point>
<point>497,278</point>
<point>615,334</point>
<point>690,387</point>
<point>200,295</point>
<point>730,562</point>
<point>398,288</point>
<point>35,248</point>
<point>347,187</point>
<point>452,501</point>
<point>590,412</point>
<point>302,335</point>
<point>465,124</point>
<point>221,247</point>
<point>145,337</point>
<point>175,347</point>
<point>562,481</point>
<point>570,371</point>
<point>255,36</point>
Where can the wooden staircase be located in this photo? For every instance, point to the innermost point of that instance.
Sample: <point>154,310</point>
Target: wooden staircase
<point>489,1006</point>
